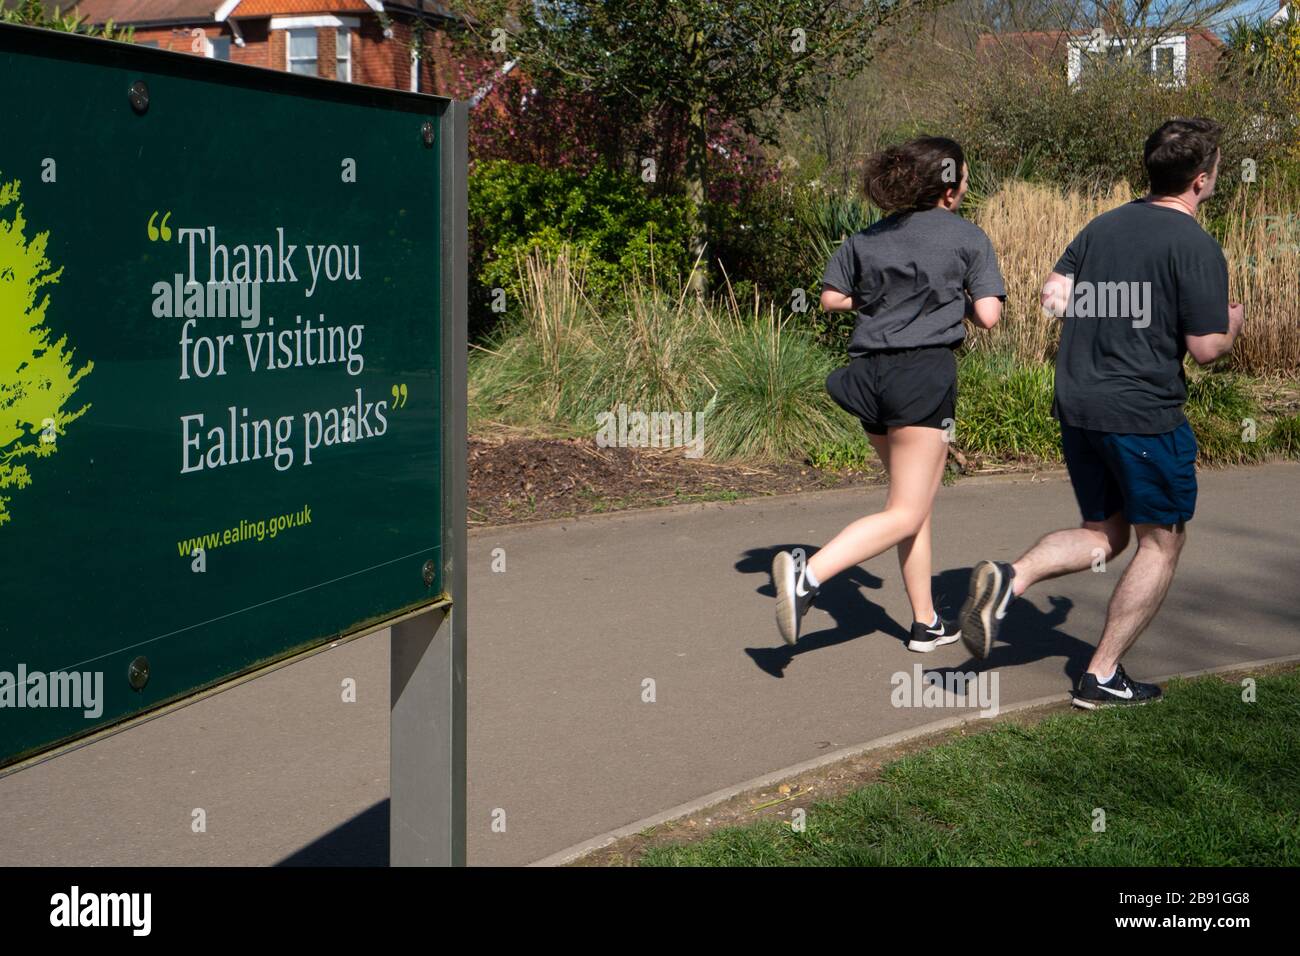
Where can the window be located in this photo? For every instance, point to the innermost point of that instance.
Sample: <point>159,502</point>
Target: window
<point>1162,63</point>
<point>219,48</point>
<point>302,51</point>
<point>343,53</point>
<point>1165,59</point>
<point>1092,61</point>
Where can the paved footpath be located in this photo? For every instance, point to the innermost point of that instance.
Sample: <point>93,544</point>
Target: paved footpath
<point>586,611</point>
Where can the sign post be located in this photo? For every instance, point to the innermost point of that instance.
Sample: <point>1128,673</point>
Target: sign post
<point>427,656</point>
<point>232,397</point>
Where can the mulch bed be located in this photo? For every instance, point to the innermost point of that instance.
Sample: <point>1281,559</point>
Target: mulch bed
<point>514,479</point>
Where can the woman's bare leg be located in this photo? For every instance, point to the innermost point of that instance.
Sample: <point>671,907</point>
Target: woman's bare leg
<point>913,553</point>
<point>915,458</point>
<point>914,561</point>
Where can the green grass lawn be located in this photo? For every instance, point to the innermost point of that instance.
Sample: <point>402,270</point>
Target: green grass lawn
<point>1200,778</point>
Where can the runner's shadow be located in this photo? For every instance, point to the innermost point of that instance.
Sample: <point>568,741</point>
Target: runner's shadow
<point>841,598</point>
<point>1027,634</point>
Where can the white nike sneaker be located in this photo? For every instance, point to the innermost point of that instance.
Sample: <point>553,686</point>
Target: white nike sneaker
<point>925,639</point>
<point>791,605</point>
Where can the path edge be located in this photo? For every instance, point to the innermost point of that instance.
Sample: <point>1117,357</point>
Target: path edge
<point>699,804</point>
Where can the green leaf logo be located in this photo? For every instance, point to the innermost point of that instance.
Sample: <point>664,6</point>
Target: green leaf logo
<point>36,377</point>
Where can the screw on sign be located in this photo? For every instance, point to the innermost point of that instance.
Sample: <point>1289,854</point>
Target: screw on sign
<point>137,674</point>
<point>139,96</point>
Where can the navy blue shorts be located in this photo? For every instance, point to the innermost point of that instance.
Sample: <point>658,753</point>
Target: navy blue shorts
<point>1151,478</point>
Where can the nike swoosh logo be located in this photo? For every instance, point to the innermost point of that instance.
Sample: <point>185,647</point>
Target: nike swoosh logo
<point>1126,695</point>
<point>1006,599</point>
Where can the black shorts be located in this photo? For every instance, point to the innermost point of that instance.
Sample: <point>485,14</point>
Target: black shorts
<point>890,389</point>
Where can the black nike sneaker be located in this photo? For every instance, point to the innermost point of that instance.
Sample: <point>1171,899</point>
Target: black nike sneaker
<point>793,596</point>
<point>925,638</point>
<point>1120,689</point>
<point>986,605</point>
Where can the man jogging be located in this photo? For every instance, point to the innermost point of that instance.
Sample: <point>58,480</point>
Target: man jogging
<point>1138,288</point>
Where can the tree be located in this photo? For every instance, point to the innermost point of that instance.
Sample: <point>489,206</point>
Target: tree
<point>704,62</point>
<point>1269,52</point>
<point>36,377</point>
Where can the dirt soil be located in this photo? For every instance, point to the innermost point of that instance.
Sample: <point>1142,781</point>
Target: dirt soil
<point>517,478</point>
<point>514,479</point>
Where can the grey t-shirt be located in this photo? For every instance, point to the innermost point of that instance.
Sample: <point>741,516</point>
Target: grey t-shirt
<point>908,276</point>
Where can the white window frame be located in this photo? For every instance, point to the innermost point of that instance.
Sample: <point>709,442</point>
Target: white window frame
<point>1179,46</point>
<point>322,20</point>
<point>343,51</point>
<point>1082,44</point>
<point>304,23</point>
<point>210,50</point>
<point>288,49</point>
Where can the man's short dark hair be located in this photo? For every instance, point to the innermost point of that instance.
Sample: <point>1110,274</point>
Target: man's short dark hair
<point>1178,152</point>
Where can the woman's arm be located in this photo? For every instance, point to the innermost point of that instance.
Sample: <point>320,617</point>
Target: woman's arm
<point>833,300</point>
<point>985,311</point>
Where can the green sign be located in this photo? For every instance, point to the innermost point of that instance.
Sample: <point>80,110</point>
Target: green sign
<point>222,393</point>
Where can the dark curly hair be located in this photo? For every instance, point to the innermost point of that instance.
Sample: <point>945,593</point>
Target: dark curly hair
<point>914,175</point>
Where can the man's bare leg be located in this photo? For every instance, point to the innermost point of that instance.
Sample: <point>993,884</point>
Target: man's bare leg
<point>1071,550</point>
<point>994,584</point>
<point>1139,593</point>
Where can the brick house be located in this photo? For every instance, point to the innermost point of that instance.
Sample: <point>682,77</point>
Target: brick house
<point>360,41</point>
<point>1172,57</point>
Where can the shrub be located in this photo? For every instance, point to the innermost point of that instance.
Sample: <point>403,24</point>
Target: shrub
<point>34,13</point>
<point>1090,134</point>
<point>771,401</point>
<point>562,360</point>
<point>1217,408</point>
<point>1004,407</point>
<point>752,239</point>
<point>1283,438</point>
<point>605,218</point>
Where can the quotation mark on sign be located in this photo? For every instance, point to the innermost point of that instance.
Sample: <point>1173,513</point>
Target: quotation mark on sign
<point>399,395</point>
<point>162,230</point>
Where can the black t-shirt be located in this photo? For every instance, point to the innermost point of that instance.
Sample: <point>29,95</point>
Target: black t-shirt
<point>1144,277</point>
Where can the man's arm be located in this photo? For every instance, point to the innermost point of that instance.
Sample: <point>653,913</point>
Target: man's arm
<point>1207,348</point>
<point>1055,297</point>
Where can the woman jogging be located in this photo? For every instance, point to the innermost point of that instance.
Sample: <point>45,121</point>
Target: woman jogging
<point>911,278</point>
